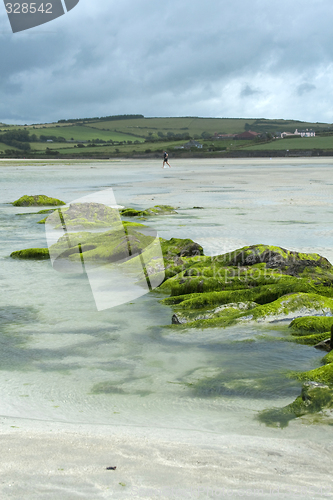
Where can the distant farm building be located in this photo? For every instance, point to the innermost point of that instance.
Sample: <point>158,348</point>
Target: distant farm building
<point>307,133</point>
<point>247,135</point>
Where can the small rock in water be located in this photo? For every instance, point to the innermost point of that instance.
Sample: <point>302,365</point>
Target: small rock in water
<point>176,320</point>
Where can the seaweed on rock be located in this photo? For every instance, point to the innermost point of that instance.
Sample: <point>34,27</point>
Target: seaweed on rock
<point>37,200</point>
<point>311,324</point>
<point>314,398</point>
<point>31,253</point>
<point>156,210</point>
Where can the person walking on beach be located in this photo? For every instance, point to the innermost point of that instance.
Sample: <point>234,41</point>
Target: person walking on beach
<point>165,160</point>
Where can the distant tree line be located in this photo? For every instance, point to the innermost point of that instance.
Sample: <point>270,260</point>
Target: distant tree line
<point>102,118</point>
<point>44,138</point>
<point>18,139</point>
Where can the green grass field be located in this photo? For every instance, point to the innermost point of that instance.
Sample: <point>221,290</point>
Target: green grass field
<point>196,126</point>
<point>64,148</point>
<point>301,143</point>
<point>193,126</point>
<point>3,147</point>
<point>83,133</point>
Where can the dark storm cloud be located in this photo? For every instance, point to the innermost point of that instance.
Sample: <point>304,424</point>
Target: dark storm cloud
<point>212,58</point>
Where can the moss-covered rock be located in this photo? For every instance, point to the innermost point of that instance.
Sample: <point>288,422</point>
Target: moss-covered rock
<point>31,253</point>
<point>323,374</point>
<point>84,216</point>
<point>37,200</point>
<point>225,311</point>
<point>315,398</point>
<point>285,307</point>
<point>288,261</point>
<point>161,210</point>
<point>132,212</point>
<point>101,248</point>
<point>242,269</point>
<point>126,239</point>
<point>259,274</point>
<point>156,210</point>
<point>46,211</point>
<point>177,247</point>
<point>313,339</point>
<point>311,324</point>
<point>87,216</point>
<point>294,304</point>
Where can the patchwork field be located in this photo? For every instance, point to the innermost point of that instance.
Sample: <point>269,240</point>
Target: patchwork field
<point>196,125</point>
<point>131,135</point>
<point>325,142</point>
<point>84,133</point>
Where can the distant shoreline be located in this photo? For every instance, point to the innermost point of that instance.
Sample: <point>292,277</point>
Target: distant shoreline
<point>306,153</point>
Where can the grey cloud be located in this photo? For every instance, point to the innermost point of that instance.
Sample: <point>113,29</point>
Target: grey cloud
<point>165,58</point>
<point>304,88</point>
<point>247,91</point>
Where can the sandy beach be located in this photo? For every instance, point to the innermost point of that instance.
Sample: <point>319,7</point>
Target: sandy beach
<point>52,461</point>
<point>44,456</point>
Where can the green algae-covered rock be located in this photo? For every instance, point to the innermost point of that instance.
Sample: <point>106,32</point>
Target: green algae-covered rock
<point>311,324</point>
<point>101,248</point>
<point>84,215</point>
<point>296,304</point>
<point>131,212</point>
<point>247,268</point>
<point>225,311</point>
<point>285,307</point>
<point>177,247</point>
<point>323,374</point>
<point>276,279</point>
<point>179,254</point>
<point>161,210</point>
<point>288,261</point>
<point>315,397</point>
<point>37,200</point>
<point>87,216</point>
<point>156,210</point>
<point>123,240</point>
<point>31,253</point>
<point>313,339</point>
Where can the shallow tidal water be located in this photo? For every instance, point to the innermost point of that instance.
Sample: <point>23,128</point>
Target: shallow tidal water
<point>63,361</point>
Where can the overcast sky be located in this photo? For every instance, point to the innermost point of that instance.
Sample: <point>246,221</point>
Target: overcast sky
<point>218,58</point>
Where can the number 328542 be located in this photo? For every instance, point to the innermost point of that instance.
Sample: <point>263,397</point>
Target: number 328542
<point>28,8</point>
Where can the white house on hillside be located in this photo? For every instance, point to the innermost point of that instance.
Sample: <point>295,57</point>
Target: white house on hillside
<point>307,133</point>
<point>301,133</point>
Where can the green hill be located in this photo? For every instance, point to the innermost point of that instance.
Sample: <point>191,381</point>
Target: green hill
<point>133,135</point>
